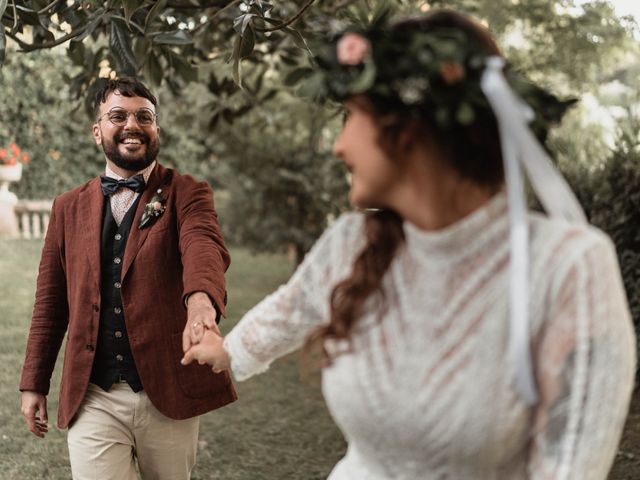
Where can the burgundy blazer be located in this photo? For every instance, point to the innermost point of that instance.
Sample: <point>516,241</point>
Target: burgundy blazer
<point>181,253</point>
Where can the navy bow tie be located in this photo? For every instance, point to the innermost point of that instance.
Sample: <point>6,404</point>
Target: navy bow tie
<point>111,185</point>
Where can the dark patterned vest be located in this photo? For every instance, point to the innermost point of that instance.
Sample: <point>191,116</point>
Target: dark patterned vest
<point>113,360</point>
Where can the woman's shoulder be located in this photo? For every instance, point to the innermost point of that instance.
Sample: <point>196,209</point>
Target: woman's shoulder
<point>558,241</point>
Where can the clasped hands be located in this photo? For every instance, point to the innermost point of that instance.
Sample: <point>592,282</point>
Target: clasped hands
<point>201,338</point>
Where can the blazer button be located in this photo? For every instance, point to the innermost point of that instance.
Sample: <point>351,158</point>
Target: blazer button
<point>117,310</point>
<point>118,334</point>
<point>117,260</point>
<point>119,357</point>
<point>118,236</point>
<point>90,347</point>
<point>117,285</point>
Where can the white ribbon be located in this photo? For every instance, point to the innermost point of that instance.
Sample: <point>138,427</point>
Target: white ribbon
<point>520,147</point>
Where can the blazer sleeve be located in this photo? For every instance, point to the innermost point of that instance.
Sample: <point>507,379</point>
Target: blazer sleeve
<point>205,257</point>
<point>50,314</point>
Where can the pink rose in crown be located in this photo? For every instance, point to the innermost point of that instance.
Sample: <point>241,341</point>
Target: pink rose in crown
<point>352,49</point>
<point>157,206</point>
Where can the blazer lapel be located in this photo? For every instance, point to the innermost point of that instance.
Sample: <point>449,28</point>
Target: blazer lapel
<point>91,202</point>
<point>136,235</point>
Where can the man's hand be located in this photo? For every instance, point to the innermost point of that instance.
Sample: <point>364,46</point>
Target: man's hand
<point>210,350</point>
<point>34,411</point>
<point>201,316</point>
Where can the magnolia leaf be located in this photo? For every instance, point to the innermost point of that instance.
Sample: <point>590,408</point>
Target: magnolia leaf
<point>241,22</point>
<point>76,52</point>
<point>120,46</point>
<point>153,69</point>
<point>298,39</point>
<point>179,37</point>
<point>130,7</point>
<point>181,66</point>
<point>3,45</point>
<point>95,20</point>
<point>154,12</point>
<point>248,42</point>
<point>237,47</point>
<point>141,49</point>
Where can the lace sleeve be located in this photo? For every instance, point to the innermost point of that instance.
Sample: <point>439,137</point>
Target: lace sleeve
<point>281,322</point>
<point>585,367</point>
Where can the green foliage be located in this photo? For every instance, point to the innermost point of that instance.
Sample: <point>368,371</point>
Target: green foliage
<point>283,181</point>
<point>610,195</point>
<point>45,123</point>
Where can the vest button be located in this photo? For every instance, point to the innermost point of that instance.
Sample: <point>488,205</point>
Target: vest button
<point>90,348</point>
<point>118,334</point>
<point>119,357</point>
<point>118,236</point>
<point>117,310</point>
<point>117,260</point>
<point>117,284</point>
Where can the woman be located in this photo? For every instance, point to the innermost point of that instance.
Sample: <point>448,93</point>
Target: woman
<point>463,337</point>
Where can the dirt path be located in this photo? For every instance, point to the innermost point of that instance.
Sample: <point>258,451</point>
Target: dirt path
<point>627,465</point>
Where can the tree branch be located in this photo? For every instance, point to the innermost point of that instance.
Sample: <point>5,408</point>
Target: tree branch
<point>217,13</point>
<point>290,21</point>
<point>51,5</point>
<point>30,47</point>
<point>180,6</point>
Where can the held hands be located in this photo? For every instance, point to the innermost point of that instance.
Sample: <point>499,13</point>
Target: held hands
<point>201,338</point>
<point>201,316</point>
<point>210,350</point>
<point>34,411</point>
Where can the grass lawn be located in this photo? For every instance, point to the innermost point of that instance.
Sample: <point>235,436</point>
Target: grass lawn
<point>278,429</point>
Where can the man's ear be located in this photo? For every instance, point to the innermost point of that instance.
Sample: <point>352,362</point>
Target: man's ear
<point>97,135</point>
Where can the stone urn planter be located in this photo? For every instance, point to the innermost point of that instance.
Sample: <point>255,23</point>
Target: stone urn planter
<point>8,200</point>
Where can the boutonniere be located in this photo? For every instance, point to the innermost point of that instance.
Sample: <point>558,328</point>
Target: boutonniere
<point>152,210</point>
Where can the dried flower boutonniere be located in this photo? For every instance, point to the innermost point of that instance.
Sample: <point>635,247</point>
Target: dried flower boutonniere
<point>152,210</point>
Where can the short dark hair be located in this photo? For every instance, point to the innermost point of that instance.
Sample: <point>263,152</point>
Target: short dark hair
<point>127,86</point>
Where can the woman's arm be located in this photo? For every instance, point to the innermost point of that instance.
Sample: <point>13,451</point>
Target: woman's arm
<point>282,321</point>
<point>585,365</point>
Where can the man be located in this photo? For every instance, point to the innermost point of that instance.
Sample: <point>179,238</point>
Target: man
<point>124,255</point>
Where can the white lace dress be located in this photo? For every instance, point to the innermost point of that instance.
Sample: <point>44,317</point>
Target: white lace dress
<point>428,391</point>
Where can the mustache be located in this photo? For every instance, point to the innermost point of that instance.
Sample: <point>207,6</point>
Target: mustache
<point>143,137</point>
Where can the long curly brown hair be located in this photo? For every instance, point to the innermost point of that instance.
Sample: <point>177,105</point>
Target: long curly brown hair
<point>472,150</point>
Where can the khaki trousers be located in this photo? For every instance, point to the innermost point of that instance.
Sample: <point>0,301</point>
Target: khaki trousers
<point>113,430</point>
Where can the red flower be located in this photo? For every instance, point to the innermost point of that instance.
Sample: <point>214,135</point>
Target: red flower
<point>13,154</point>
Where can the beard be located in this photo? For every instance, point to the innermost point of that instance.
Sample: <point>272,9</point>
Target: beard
<point>133,162</point>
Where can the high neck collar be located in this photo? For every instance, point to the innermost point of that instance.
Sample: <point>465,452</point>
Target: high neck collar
<point>462,237</point>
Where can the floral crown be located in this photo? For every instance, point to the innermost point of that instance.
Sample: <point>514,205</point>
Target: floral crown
<point>433,74</point>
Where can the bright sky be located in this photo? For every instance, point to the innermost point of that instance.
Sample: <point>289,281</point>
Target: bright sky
<point>624,7</point>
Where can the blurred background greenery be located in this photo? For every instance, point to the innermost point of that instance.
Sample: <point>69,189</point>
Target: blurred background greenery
<point>267,153</point>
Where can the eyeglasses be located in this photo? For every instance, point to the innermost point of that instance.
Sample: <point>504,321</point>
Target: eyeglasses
<point>118,116</point>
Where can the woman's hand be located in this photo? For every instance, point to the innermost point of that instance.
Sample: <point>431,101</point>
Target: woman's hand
<point>209,350</point>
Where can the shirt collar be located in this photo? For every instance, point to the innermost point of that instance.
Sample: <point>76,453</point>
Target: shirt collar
<point>146,173</point>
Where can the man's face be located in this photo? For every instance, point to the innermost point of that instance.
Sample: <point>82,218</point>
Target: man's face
<point>130,146</point>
